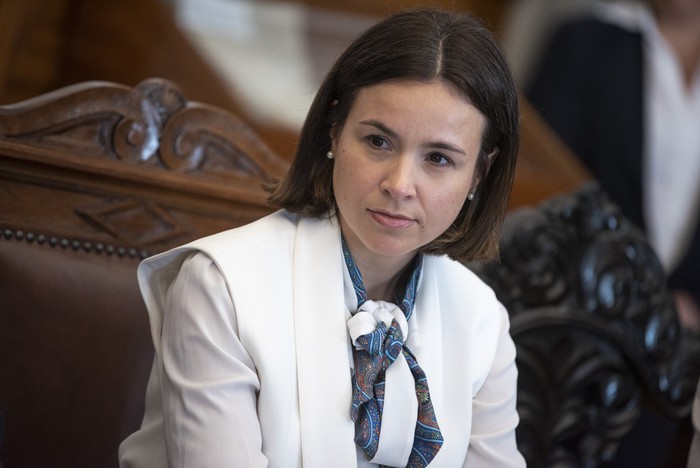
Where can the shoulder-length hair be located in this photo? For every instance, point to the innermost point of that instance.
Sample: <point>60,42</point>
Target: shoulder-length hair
<point>426,45</point>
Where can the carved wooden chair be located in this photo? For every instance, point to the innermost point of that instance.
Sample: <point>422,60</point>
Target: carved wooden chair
<point>97,176</point>
<point>596,331</point>
<point>93,178</point>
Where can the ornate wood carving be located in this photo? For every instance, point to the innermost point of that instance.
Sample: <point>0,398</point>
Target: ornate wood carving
<point>136,168</point>
<point>595,329</point>
<point>152,123</point>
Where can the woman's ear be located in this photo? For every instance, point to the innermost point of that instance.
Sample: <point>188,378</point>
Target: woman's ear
<point>488,162</point>
<point>490,158</point>
<point>334,136</point>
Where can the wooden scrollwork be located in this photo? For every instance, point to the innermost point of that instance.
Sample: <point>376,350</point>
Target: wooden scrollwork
<point>104,164</point>
<point>595,328</point>
<point>152,124</point>
<point>94,118</point>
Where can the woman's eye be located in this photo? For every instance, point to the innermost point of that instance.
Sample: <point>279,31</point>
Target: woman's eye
<point>377,141</point>
<point>439,159</point>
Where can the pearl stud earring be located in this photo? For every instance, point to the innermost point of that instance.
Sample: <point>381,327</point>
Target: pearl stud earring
<point>330,155</point>
<point>470,196</point>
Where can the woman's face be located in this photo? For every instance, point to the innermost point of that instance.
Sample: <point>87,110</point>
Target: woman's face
<point>404,164</point>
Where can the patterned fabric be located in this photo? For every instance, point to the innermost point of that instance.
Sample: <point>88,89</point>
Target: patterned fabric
<point>378,350</point>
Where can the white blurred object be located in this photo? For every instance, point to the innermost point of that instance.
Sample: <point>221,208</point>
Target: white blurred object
<point>259,50</point>
<point>528,26</point>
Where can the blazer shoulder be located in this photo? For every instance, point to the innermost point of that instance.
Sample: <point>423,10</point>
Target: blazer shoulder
<point>266,236</point>
<point>458,280</point>
<point>277,226</point>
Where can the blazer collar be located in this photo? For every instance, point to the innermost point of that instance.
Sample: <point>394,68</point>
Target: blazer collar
<point>429,317</point>
<point>323,362</point>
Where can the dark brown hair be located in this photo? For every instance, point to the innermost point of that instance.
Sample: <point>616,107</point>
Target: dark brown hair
<point>425,45</point>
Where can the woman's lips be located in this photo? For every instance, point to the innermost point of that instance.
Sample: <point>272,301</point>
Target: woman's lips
<point>391,220</point>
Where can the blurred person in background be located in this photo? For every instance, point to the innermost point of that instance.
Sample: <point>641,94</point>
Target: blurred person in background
<point>621,87</point>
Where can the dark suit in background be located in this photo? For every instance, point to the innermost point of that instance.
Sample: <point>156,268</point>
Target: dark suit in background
<point>590,89</point>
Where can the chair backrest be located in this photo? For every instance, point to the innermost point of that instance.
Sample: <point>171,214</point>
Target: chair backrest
<point>93,178</point>
<point>596,331</point>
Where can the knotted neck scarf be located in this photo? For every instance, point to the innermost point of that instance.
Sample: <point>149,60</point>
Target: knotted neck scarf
<point>373,352</point>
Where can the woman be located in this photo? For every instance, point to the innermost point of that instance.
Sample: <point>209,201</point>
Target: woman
<point>336,331</point>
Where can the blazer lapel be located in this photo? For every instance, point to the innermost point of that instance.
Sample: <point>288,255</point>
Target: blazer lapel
<point>427,314</point>
<point>323,363</point>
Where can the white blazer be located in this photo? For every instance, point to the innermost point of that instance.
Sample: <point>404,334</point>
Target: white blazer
<point>258,373</point>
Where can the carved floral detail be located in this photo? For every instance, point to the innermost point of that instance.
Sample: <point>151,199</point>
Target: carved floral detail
<point>152,124</point>
<point>594,326</point>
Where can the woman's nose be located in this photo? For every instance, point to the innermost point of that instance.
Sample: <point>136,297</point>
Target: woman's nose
<point>399,179</point>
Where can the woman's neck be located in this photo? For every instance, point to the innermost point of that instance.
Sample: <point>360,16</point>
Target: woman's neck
<point>383,277</point>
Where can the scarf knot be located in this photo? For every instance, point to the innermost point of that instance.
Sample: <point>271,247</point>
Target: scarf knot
<point>378,330</point>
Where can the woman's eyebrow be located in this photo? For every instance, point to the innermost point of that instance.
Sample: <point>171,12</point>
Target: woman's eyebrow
<point>446,146</point>
<point>380,126</point>
<point>392,134</point>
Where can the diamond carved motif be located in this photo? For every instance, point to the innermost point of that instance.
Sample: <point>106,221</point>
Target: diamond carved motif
<point>133,223</point>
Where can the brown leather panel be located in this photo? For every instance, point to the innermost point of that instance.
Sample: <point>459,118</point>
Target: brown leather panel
<point>76,353</point>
